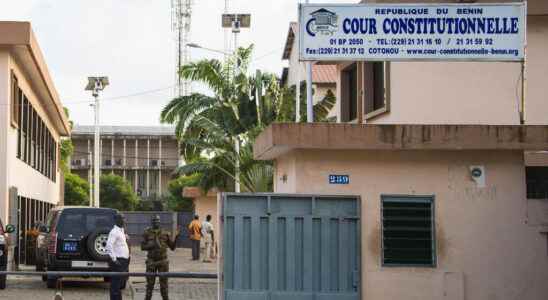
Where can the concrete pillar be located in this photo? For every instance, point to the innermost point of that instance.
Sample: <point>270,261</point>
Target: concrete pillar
<point>160,167</point>
<point>89,163</point>
<point>112,156</point>
<point>148,168</point>
<point>136,179</point>
<point>124,158</point>
<point>124,161</point>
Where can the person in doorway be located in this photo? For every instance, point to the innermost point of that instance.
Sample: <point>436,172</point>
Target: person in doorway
<point>118,250</point>
<point>209,239</point>
<point>155,242</point>
<point>195,233</point>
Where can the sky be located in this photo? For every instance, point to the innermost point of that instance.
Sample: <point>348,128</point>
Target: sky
<point>132,43</point>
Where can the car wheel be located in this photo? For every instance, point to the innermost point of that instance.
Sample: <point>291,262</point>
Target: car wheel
<point>2,282</point>
<point>97,244</point>
<point>51,282</point>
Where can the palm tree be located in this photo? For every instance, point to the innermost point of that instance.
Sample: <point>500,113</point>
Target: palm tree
<point>209,127</point>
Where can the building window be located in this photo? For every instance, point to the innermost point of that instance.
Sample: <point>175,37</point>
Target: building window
<point>408,231</point>
<point>537,182</point>
<point>375,88</point>
<point>36,146</point>
<point>24,132</point>
<point>349,92</point>
<point>15,94</point>
<point>20,124</point>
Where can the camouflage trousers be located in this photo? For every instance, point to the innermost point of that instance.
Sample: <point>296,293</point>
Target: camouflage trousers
<point>157,267</point>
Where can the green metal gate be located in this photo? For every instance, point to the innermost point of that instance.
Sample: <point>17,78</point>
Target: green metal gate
<point>290,247</point>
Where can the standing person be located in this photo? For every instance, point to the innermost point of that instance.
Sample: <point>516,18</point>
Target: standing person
<point>209,238</point>
<point>155,242</point>
<point>118,251</point>
<point>195,233</point>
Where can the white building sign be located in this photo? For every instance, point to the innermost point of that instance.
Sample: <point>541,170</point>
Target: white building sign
<point>494,32</point>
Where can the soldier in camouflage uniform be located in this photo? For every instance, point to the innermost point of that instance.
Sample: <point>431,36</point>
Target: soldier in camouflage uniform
<point>155,242</point>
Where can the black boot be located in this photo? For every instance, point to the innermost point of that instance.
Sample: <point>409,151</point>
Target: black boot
<point>148,295</point>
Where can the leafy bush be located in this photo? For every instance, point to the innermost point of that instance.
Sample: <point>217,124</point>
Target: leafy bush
<point>175,200</point>
<point>117,193</point>
<point>76,190</point>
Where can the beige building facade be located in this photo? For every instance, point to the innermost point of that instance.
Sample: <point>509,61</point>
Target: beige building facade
<point>32,123</point>
<point>444,133</point>
<point>204,204</point>
<point>145,156</point>
<point>324,77</point>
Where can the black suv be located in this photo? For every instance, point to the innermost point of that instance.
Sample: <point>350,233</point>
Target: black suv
<point>75,240</point>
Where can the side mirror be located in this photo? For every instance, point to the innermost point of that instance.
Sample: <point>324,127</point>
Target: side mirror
<point>9,228</point>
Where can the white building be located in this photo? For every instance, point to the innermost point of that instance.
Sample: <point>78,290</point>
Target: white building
<point>32,121</point>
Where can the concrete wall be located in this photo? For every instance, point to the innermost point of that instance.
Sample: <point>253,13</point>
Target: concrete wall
<point>4,125</point>
<point>294,65</point>
<point>486,246</point>
<point>207,205</point>
<point>14,172</point>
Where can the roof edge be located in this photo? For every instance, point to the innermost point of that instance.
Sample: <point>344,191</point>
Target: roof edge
<point>281,138</point>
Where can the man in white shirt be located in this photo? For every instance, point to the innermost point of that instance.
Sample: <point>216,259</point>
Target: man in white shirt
<point>209,238</point>
<point>118,251</point>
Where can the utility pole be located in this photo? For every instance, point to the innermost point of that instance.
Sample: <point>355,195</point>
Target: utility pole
<point>236,22</point>
<point>298,86</point>
<point>235,31</point>
<point>90,178</point>
<point>95,85</point>
<point>309,103</point>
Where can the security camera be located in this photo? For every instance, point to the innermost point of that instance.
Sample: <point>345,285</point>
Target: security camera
<point>476,172</point>
<point>478,175</point>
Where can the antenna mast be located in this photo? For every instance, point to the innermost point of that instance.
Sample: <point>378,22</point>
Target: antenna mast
<point>181,20</point>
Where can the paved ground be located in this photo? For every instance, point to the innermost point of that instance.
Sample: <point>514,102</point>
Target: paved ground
<point>23,288</point>
<point>187,289</point>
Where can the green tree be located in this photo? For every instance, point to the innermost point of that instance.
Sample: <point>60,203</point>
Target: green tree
<point>176,201</point>
<point>115,192</point>
<point>66,149</point>
<point>209,127</point>
<point>76,190</point>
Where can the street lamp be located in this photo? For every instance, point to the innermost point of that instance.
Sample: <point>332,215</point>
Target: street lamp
<point>95,85</point>
<point>194,45</point>
<point>236,138</point>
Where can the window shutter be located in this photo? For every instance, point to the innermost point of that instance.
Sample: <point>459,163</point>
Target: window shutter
<point>14,101</point>
<point>408,231</point>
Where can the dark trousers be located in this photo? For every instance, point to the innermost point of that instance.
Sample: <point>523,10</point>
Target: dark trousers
<point>195,249</point>
<point>151,280</point>
<point>116,281</point>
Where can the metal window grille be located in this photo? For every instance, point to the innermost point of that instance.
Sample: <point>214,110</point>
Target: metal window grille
<point>408,231</point>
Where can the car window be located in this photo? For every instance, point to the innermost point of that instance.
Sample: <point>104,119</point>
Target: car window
<point>84,222</point>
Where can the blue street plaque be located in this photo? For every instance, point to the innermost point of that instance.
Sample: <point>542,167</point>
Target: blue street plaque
<point>339,179</point>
